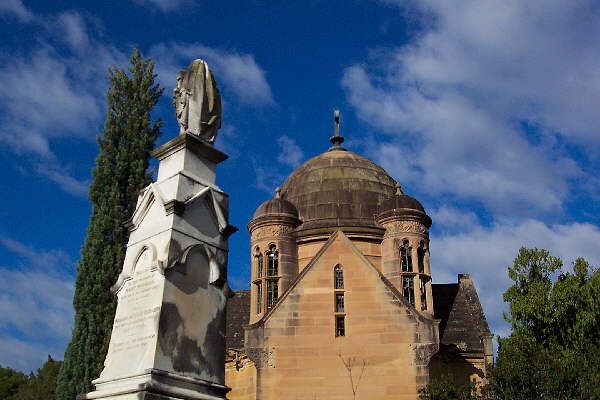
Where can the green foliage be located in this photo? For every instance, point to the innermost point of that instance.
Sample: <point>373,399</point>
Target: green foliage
<point>10,381</point>
<point>553,351</point>
<point>120,173</point>
<point>444,388</point>
<point>42,385</point>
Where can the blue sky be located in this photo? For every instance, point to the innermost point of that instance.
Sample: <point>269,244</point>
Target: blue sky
<point>487,112</point>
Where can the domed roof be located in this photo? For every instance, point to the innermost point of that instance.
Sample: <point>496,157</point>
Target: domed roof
<point>338,189</point>
<point>404,207</point>
<point>276,207</point>
<point>401,200</point>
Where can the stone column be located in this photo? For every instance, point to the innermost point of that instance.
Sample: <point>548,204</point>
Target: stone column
<point>168,337</point>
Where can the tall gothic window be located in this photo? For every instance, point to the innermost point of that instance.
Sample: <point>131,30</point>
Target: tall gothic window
<point>339,306</point>
<point>421,257</point>
<point>259,296</point>
<point>408,289</point>
<point>406,257</point>
<point>271,293</point>
<point>272,261</point>
<point>339,277</point>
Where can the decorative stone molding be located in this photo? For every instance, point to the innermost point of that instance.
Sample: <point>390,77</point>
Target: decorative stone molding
<point>271,231</point>
<point>263,358</point>
<point>424,352</point>
<point>397,228</point>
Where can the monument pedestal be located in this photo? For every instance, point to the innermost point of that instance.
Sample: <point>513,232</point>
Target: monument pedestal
<point>168,337</point>
<point>155,384</point>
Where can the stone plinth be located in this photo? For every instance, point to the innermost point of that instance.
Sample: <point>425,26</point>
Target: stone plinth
<point>168,338</point>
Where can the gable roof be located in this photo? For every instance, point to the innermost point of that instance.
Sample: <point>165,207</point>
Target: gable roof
<point>237,316</point>
<point>463,322</point>
<point>456,305</point>
<point>340,234</point>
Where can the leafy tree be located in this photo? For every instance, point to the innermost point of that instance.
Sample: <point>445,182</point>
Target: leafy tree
<point>444,388</point>
<point>42,385</point>
<point>121,171</point>
<point>10,381</point>
<point>553,350</point>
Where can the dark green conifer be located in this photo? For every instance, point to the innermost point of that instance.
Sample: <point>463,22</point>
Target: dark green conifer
<point>121,171</point>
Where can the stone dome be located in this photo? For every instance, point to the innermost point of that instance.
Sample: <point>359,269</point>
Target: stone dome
<point>401,201</point>
<point>276,207</point>
<point>338,189</point>
<point>404,207</point>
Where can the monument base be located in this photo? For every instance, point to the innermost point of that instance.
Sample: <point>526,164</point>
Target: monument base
<point>154,384</point>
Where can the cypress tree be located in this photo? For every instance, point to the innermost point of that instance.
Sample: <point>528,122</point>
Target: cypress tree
<point>120,172</point>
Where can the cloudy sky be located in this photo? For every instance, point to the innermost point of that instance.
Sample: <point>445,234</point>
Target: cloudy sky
<point>487,112</point>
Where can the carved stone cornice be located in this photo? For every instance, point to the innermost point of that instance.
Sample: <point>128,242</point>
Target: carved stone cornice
<point>269,231</point>
<point>401,227</point>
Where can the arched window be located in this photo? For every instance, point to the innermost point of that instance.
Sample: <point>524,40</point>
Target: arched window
<point>272,261</point>
<point>339,277</point>
<point>406,256</point>
<point>421,257</point>
<point>339,301</point>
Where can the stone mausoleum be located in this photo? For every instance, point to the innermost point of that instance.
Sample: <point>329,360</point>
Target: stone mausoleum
<point>341,302</point>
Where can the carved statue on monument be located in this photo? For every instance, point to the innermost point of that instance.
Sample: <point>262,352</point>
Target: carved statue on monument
<point>197,102</point>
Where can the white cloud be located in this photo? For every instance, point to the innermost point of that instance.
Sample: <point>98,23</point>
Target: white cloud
<point>486,253</point>
<point>25,356</point>
<point>290,153</point>
<point>235,72</point>
<point>17,9</point>
<point>49,94</point>
<point>162,5</point>
<point>455,98</point>
<point>35,301</point>
<point>65,180</point>
<point>71,27</point>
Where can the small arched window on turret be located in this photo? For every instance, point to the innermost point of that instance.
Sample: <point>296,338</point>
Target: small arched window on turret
<point>421,257</point>
<point>406,256</point>
<point>272,261</point>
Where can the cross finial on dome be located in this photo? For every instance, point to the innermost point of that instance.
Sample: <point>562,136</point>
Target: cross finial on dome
<point>399,189</point>
<point>336,139</point>
<point>277,193</point>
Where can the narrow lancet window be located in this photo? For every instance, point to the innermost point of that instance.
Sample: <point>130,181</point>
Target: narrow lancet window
<point>408,289</point>
<point>339,302</point>
<point>406,257</point>
<point>421,256</point>
<point>340,326</point>
<point>272,261</point>
<point>423,290</point>
<point>259,296</point>
<point>271,294</point>
<point>339,277</point>
<point>259,265</point>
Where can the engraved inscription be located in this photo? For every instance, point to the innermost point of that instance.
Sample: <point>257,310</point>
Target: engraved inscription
<point>136,322</point>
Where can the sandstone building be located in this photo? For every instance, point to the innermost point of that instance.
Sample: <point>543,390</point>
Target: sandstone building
<point>341,302</point>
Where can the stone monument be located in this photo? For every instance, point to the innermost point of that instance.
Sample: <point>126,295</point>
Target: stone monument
<point>168,337</point>
<point>197,102</point>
